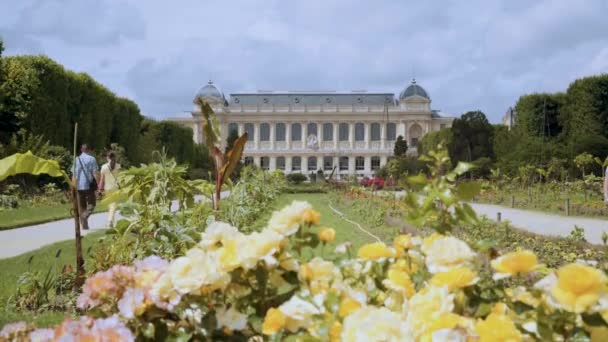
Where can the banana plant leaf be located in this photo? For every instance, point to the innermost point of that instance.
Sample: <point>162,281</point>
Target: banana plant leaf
<point>234,156</point>
<point>19,163</point>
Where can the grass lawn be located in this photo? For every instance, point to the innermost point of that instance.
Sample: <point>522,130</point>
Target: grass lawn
<point>26,216</point>
<point>43,260</point>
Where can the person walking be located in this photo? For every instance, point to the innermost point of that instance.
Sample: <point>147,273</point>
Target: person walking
<point>108,183</point>
<point>85,175</point>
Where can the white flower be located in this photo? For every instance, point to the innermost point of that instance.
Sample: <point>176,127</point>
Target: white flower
<point>131,303</point>
<point>231,319</point>
<point>299,313</point>
<point>343,247</point>
<point>216,234</point>
<point>448,335</point>
<point>197,268</point>
<point>446,253</point>
<point>287,221</point>
<point>163,294</point>
<point>371,323</point>
<point>426,306</point>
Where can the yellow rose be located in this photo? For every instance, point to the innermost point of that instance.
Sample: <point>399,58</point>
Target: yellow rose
<point>426,306</point>
<point>447,252</point>
<point>374,251</point>
<point>497,328</point>
<point>403,243</point>
<point>404,265</point>
<point>513,263</point>
<point>327,235</point>
<point>455,278</point>
<point>311,216</point>
<point>347,306</point>
<point>428,241</point>
<point>448,321</point>
<point>273,322</point>
<point>335,331</point>
<point>400,281</point>
<point>578,287</point>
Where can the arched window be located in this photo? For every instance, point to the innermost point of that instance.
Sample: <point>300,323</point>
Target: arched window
<point>250,131</point>
<point>265,163</point>
<point>279,132</point>
<point>375,131</point>
<point>312,163</point>
<point>359,163</point>
<point>343,163</point>
<point>375,163</point>
<point>296,132</point>
<point>415,134</point>
<point>233,126</point>
<point>328,163</point>
<point>311,129</point>
<point>328,131</point>
<point>343,131</point>
<point>248,161</point>
<point>296,163</point>
<point>359,131</point>
<point>391,131</point>
<point>280,163</point>
<point>264,132</point>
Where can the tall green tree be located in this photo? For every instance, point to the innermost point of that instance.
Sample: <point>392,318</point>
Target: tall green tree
<point>538,114</point>
<point>431,140</point>
<point>401,147</point>
<point>471,137</point>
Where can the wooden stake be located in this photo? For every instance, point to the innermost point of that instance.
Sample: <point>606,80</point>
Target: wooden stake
<point>79,280</point>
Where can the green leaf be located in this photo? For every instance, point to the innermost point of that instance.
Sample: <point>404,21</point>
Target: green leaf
<point>234,156</point>
<point>466,191</point>
<point>463,167</point>
<point>419,179</point>
<point>594,319</point>
<point>29,163</point>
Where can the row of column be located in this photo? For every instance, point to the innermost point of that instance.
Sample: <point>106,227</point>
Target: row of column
<point>304,134</point>
<point>320,165</point>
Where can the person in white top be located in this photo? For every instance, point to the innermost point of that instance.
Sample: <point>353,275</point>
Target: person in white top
<point>108,183</point>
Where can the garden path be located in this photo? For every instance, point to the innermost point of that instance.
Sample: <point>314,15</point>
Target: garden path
<point>21,240</point>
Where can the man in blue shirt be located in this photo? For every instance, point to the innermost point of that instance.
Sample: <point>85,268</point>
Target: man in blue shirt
<point>84,172</point>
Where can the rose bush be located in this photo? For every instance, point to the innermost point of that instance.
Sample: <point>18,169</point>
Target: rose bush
<point>272,284</point>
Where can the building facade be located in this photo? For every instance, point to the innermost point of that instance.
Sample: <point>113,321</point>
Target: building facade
<point>303,131</point>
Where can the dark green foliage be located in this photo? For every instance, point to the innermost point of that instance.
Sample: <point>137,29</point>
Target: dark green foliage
<point>538,114</point>
<point>296,178</point>
<point>430,140</point>
<point>400,148</point>
<point>472,137</point>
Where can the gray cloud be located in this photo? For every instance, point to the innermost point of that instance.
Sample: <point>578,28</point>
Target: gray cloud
<point>473,55</point>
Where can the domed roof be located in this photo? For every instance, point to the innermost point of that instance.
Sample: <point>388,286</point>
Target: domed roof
<point>211,93</point>
<point>413,89</point>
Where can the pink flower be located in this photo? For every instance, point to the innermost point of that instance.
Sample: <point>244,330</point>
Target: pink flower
<point>151,263</point>
<point>111,329</point>
<point>13,329</point>
<point>42,335</point>
<point>106,286</point>
<point>131,303</point>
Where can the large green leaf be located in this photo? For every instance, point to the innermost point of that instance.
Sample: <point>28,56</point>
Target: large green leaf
<point>467,190</point>
<point>234,156</point>
<point>419,179</point>
<point>19,163</point>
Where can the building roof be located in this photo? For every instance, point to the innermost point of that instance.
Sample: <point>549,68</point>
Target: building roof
<point>211,92</point>
<point>313,98</point>
<point>412,90</point>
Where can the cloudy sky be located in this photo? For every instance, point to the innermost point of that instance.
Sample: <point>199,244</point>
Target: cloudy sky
<point>468,55</point>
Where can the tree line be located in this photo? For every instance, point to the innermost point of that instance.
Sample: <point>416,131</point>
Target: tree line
<point>550,129</point>
<point>39,97</point>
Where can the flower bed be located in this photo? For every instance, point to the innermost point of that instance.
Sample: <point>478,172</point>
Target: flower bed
<point>277,283</point>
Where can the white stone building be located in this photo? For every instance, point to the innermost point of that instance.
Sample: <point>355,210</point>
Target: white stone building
<point>306,131</point>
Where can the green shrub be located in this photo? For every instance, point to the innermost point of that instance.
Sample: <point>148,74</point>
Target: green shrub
<point>295,178</point>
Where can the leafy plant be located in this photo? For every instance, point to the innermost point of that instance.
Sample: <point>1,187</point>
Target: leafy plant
<point>296,178</point>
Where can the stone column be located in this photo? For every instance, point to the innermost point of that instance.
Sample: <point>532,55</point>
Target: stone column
<point>304,133</point>
<point>351,135</point>
<point>256,161</point>
<point>288,139</point>
<point>241,129</point>
<point>304,166</point>
<point>368,165</point>
<point>320,134</point>
<point>382,135</point>
<point>288,164</point>
<point>383,160</point>
<point>272,135</point>
<point>401,129</point>
<point>256,136</point>
<point>351,165</point>
<point>336,131</point>
<point>367,135</point>
<point>320,162</point>
<point>196,127</point>
<point>337,164</point>
<point>273,163</point>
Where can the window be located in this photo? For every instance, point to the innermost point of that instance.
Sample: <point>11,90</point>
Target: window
<point>279,132</point>
<point>328,163</point>
<point>250,131</point>
<point>375,163</point>
<point>312,163</point>
<point>264,132</point>
<point>248,160</point>
<point>359,131</point>
<point>296,132</point>
<point>311,129</point>
<point>328,131</point>
<point>391,131</point>
<point>343,131</point>
<point>233,126</point>
<point>265,163</point>
<point>296,163</point>
<point>343,163</point>
<point>359,163</point>
<point>280,163</point>
<point>375,131</point>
